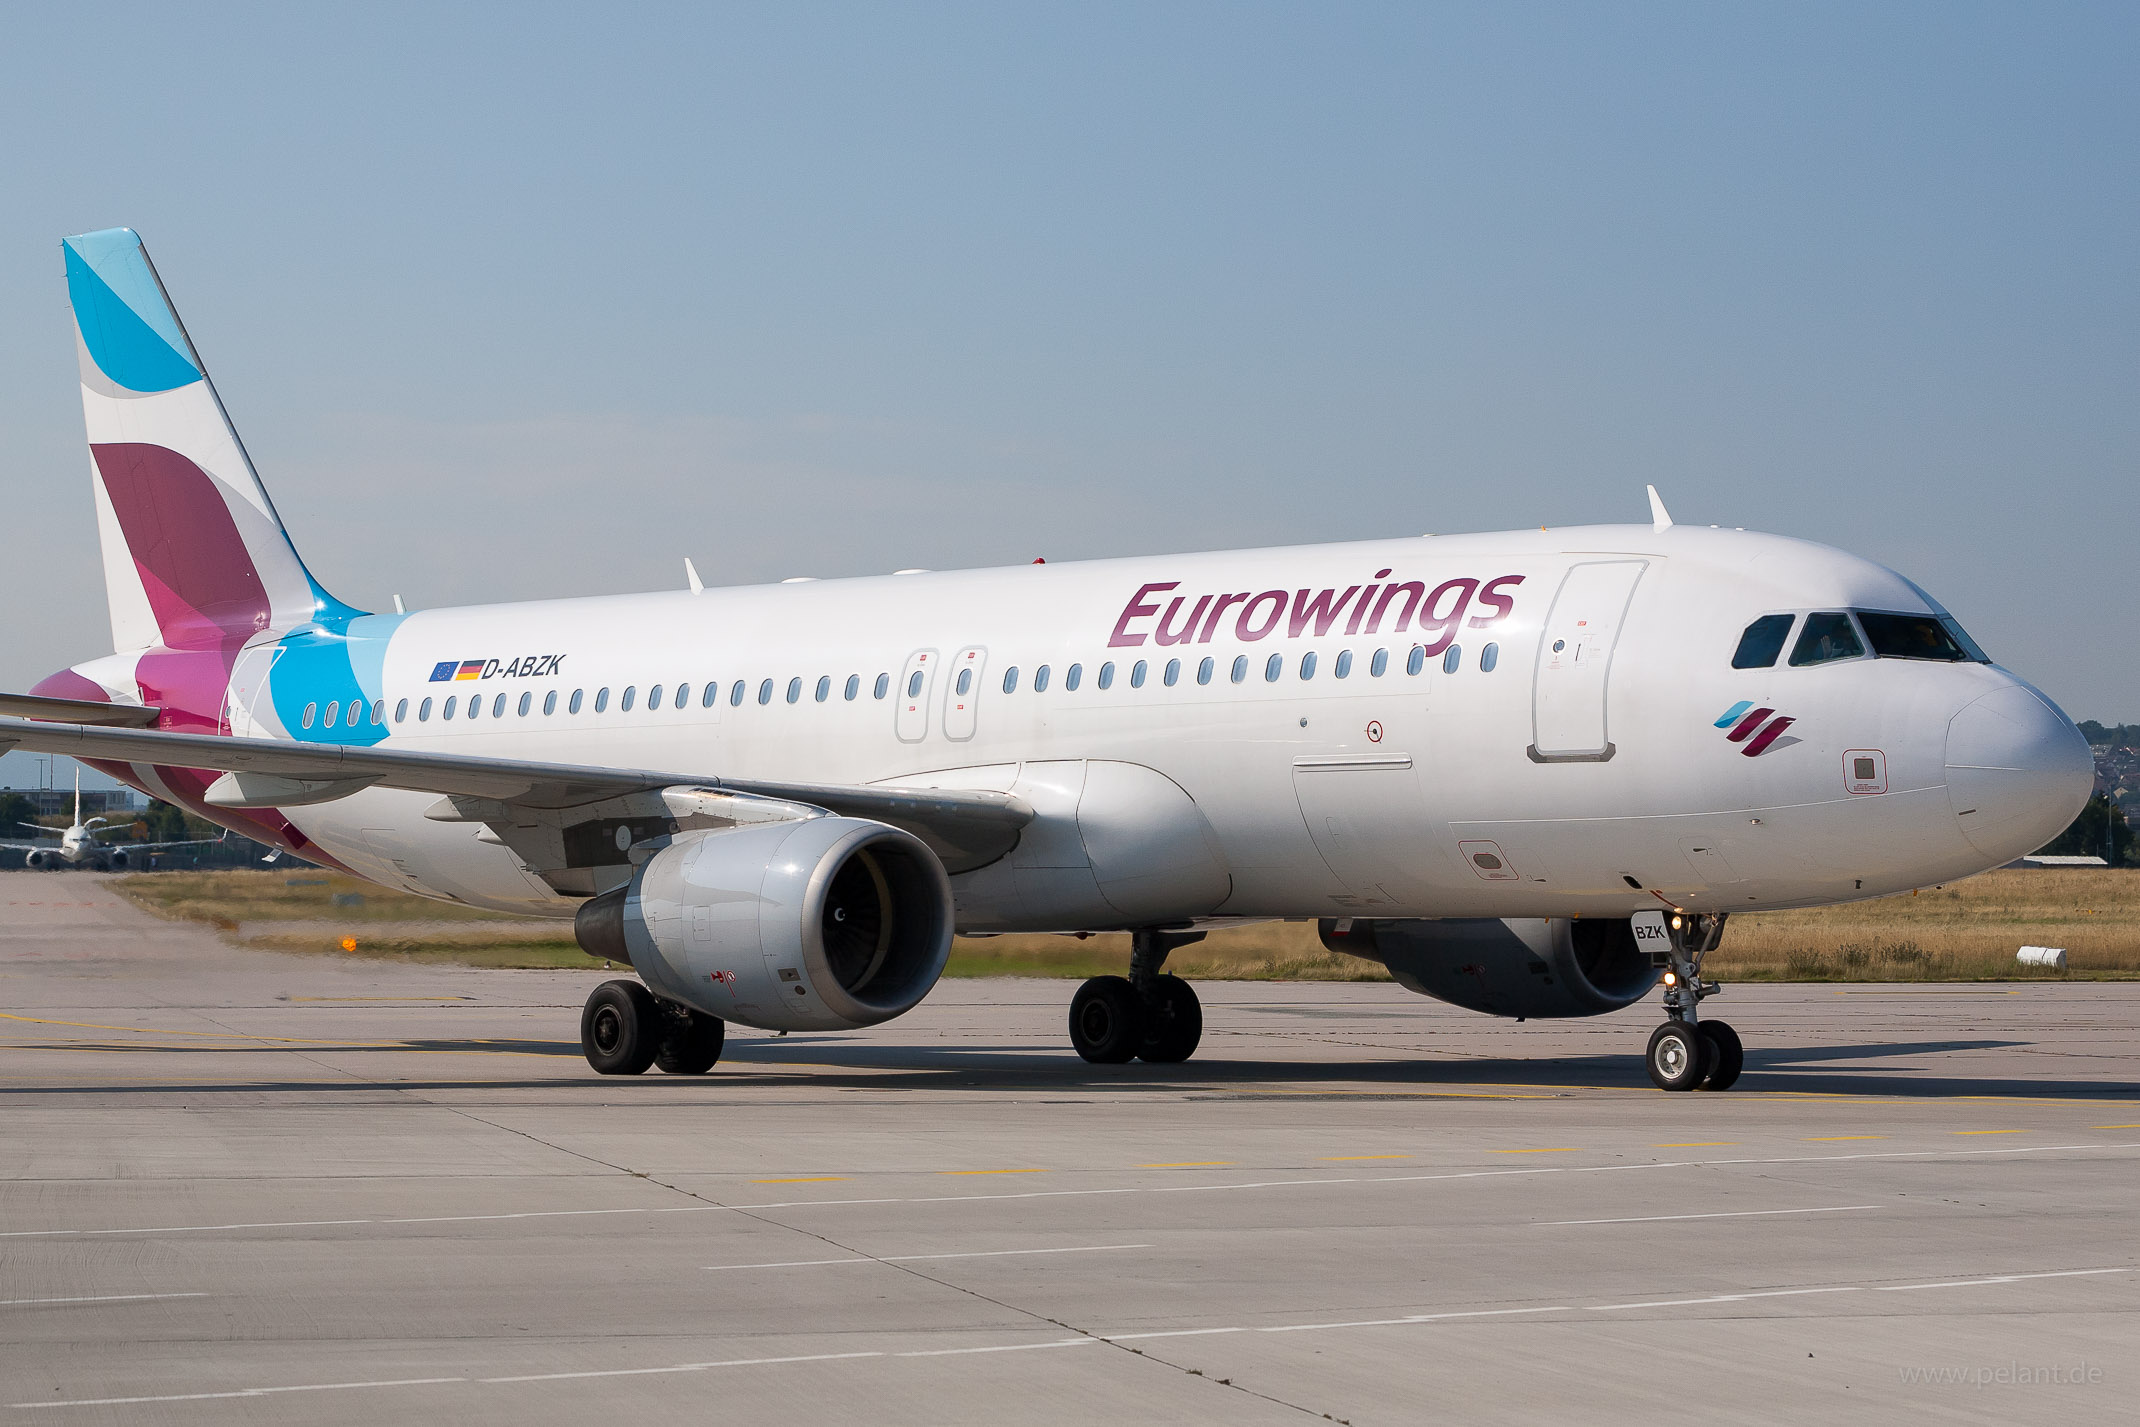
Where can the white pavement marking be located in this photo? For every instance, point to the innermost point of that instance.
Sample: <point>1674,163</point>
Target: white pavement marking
<point>238,1392</point>
<point>675,1368</point>
<point>96,1298</point>
<point>1409,1320</point>
<point>918,1258</point>
<point>1089,1193</point>
<point>1734,1214</point>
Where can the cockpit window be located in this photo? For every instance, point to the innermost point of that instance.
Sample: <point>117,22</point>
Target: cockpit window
<point>1825,638</point>
<point>1762,642</point>
<point>1916,636</point>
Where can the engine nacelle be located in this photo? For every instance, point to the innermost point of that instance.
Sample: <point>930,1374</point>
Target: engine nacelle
<point>822,924</point>
<point>1519,966</point>
<point>118,860</point>
<point>35,860</point>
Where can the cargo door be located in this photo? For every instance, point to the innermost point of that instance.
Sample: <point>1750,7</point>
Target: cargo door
<point>1368,817</point>
<point>1568,691</point>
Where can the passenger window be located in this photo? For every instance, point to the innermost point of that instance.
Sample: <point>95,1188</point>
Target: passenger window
<point>311,712</point>
<point>1452,658</point>
<point>1307,665</point>
<point>631,695</point>
<point>1911,636</point>
<point>527,701</point>
<point>401,711</point>
<point>965,683</point>
<point>712,695</point>
<point>1344,663</point>
<point>1107,675</point>
<point>765,691</point>
<point>682,699</point>
<point>1072,677</point>
<point>1762,642</point>
<point>1240,667</point>
<point>794,689</point>
<point>653,698</point>
<point>1488,657</point>
<point>735,694</point>
<point>914,685</point>
<point>475,707</point>
<point>573,705</point>
<point>1010,680</point>
<point>1040,679</point>
<point>1380,664</point>
<point>824,687</point>
<point>1273,667</point>
<point>1826,638</point>
<point>453,701</point>
<point>497,707</point>
<point>854,686</point>
<point>423,712</point>
<point>1173,674</point>
<point>1416,660</point>
<point>884,686</point>
<point>1136,674</point>
<point>601,701</point>
<point>1203,670</point>
<point>549,703</point>
<point>334,712</point>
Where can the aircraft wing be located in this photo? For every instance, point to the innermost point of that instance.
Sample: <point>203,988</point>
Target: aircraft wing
<point>29,846</point>
<point>78,710</point>
<point>527,805</point>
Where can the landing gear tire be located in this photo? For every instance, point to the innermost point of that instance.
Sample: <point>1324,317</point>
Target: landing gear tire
<point>1107,1020</point>
<point>1680,1056</point>
<point>1730,1055</point>
<point>620,1028</point>
<point>690,1041</point>
<point>1173,1022</point>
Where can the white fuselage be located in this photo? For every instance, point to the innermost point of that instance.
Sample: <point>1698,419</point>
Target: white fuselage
<point>1592,778</point>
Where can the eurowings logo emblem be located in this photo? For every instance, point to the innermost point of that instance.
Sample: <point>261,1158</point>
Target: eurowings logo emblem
<point>1755,728</point>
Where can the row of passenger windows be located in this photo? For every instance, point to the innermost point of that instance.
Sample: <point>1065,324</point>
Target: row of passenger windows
<point>1831,635</point>
<point>1452,660</point>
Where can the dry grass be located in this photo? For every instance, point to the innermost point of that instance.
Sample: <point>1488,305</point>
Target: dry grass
<point>1965,931</point>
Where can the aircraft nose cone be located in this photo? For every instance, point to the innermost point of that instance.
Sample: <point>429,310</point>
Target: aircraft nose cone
<point>2018,772</point>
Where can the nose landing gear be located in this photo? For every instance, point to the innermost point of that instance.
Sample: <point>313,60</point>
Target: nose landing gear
<point>1157,1018</point>
<point>1687,1052</point>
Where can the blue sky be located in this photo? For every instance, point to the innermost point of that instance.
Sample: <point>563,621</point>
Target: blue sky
<point>539,301</point>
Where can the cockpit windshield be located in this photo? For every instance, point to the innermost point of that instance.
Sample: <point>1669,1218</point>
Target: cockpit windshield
<point>1828,636</point>
<point>1918,636</point>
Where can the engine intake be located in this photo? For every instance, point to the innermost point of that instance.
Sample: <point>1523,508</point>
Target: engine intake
<point>826,923</point>
<point>1518,966</point>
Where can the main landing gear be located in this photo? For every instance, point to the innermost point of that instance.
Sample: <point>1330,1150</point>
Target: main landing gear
<point>1687,1052</point>
<point>1114,1019</point>
<point>626,1028</point>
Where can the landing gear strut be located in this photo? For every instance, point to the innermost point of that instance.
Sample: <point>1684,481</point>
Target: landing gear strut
<point>1114,1019</point>
<point>1687,1052</point>
<point>625,1028</point>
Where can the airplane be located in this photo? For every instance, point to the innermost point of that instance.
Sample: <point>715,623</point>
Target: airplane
<point>78,843</point>
<point>1533,773</point>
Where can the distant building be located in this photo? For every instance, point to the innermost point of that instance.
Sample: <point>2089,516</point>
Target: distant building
<point>96,802</point>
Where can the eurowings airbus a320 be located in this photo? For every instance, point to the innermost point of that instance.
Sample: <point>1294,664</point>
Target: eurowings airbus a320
<point>1532,773</point>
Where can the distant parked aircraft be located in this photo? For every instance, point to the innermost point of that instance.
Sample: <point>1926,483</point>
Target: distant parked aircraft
<point>78,845</point>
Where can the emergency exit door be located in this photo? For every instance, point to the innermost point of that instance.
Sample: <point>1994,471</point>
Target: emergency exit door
<point>1569,691</point>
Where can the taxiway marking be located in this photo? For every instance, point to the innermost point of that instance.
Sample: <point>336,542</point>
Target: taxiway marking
<point>920,1258</point>
<point>1733,1214</point>
<point>94,1298</point>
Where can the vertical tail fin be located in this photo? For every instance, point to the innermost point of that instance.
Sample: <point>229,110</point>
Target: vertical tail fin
<point>194,555</point>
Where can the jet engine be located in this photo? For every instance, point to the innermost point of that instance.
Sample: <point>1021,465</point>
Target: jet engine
<point>1527,966</point>
<point>821,924</point>
<point>37,860</point>
<point>118,860</point>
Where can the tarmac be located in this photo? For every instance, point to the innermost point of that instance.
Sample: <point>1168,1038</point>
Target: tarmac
<point>245,1187</point>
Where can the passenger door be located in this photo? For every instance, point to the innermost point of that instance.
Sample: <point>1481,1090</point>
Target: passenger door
<point>912,721</point>
<point>1568,690</point>
<point>963,696</point>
